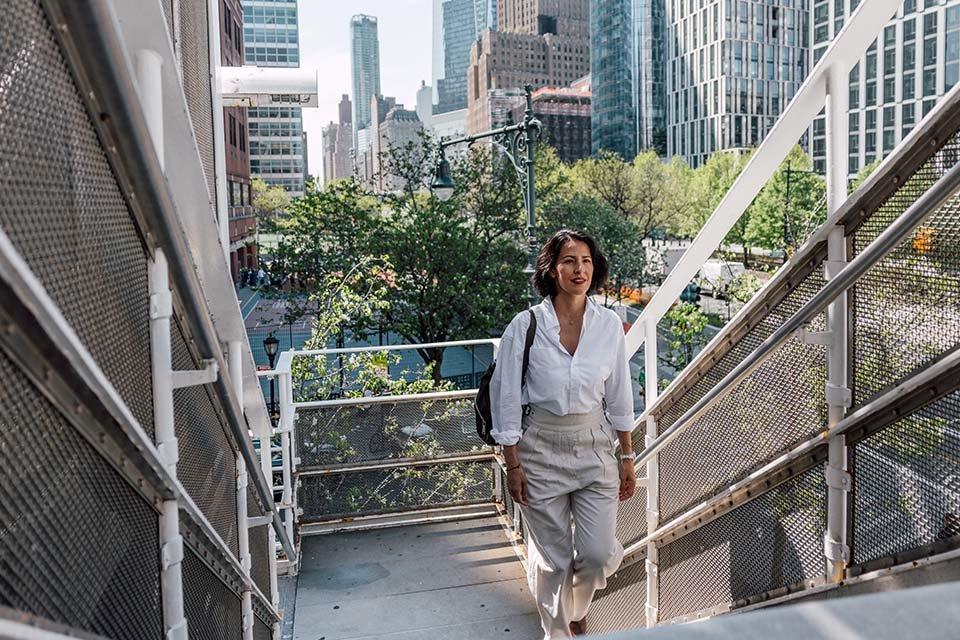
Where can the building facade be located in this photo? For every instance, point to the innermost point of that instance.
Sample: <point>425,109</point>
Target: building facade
<point>650,66</point>
<point>242,222</point>
<point>565,115</point>
<point>364,70</point>
<point>540,17</point>
<point>913,63</point>
<point>731,68</point>
<point>338,144</point>
<point>502,62</point>
<point>613,78</point>
<point>462,22</point>
<point>271,39</point>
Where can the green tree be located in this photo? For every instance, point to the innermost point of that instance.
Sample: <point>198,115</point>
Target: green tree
<point>799,208</point>
<point>271,201</point>
<point>683,328</point>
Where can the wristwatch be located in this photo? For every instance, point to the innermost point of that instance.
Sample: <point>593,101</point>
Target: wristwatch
<point>628,456</point>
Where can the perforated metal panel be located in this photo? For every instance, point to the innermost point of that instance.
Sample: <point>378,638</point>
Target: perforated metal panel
<point>771,542</point>
<point>779,405</point>
<point>77,544</point>
<point>414,429</point>
<point>207,465</point>
<point>907,307</point>
<point>394,489</point>
<point>259,541</point>
<point>261,631</point>
<point>195,60</point>
<point>621,605</point>
<point>61,208</point>
<point>212,609</point>
<point>907,491</point>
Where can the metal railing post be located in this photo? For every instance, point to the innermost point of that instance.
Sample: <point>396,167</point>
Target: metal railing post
<point>286,450</point>
<point>266,466</point>
<point>652,608</point>
<point>149,67</point>
<point>235,362</point>
<point>838,395</point>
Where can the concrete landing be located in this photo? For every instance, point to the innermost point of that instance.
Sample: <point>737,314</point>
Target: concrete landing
<point>451,580</point>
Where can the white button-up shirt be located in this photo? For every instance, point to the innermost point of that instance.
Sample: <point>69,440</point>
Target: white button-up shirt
<point>560,383</point>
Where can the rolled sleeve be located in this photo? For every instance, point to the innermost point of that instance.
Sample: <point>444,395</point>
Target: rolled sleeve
<point>505,392</point>
<point>618,390</point>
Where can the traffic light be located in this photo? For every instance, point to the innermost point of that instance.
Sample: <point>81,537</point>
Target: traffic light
<point>691,293</point>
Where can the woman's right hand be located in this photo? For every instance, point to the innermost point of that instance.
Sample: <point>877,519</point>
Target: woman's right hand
<point>517,485</point>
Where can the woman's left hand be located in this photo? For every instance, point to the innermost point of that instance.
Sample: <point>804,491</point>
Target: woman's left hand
<point>628,480</point>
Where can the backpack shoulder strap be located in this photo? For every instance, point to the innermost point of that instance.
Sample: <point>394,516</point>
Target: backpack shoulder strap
<point>531,332</point>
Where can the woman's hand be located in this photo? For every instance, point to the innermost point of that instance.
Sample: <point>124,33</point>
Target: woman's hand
<point>628,480</point>
<point>517,485</point>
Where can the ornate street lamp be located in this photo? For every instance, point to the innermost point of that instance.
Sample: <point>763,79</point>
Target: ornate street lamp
<point>271,345</point>
<point>518,142</point>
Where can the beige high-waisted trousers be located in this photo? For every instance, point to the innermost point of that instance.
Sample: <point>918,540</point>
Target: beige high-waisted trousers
<point>571,468</point>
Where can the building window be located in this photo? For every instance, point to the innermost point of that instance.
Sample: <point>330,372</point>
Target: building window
<point>909,86</point>
<point>232,125</point>
<point>929,82</point>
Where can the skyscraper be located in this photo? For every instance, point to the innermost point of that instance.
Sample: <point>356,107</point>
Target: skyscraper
<point>613,76</point>
<point>902,75</point>
<point>731,68</point>
<point>530,47</point>
<point>271,39</point>
<point>364,69</point>
<point>463,21</point>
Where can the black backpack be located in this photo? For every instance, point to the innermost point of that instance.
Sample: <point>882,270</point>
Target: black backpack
<point>481,406</point>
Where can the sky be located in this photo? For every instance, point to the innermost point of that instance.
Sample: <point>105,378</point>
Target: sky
<point>405,55</point>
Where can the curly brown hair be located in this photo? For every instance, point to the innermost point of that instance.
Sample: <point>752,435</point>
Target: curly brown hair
<point>550,252</point>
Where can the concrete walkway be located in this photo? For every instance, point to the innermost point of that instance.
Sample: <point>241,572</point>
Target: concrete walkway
<point>452,580</point>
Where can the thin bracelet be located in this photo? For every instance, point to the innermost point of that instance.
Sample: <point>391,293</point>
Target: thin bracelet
<point>516,466</point>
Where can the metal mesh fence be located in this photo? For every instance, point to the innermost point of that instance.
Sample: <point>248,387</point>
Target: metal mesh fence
<point>207,465</point>
<point>775,408</point>
<point>409,429</point>
<point>261,631</point>
<point>907,491</point>
<point>771,542</point>
<point>212,609</point>
<point>384,490</point>
<point>259,541</point>
<point>621,605</point>
<point>907,307</point>
<point>78,545</point>
<point>195,61</point>
<point>61,208</point>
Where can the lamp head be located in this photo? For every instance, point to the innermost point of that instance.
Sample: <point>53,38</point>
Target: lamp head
<point>271,345</point>
<point>442,180</point>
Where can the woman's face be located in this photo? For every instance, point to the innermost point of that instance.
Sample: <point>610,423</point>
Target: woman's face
<point>573,272</point>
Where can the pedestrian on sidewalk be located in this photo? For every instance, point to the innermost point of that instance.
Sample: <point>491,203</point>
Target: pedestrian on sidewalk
<point>559,431</point>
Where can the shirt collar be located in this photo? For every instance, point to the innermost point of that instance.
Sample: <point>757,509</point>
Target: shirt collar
<point>551,321</point>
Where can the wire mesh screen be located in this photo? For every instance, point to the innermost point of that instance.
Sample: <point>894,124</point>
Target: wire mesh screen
<point>773,541</point>
<point>77,544</point>
<point>207,465</point>
<point>775,408</point>
<point>63,211</point>
<point>907,490</point>
<point>195,60</point>
<point>384,490</point>
<point>259,541</point>
<point>621,605</point>
<point>411,429</point>
<point>212,609</point>
<point>261,631</point>
<point>908,305</point>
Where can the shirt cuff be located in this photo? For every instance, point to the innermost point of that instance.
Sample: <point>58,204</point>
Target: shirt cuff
<point>507,438</point>
<point>622,423</point>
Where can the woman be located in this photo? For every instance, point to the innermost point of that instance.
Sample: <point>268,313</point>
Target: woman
<point>558,431</point>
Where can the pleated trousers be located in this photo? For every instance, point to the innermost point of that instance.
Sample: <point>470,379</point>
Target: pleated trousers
<point>572,485</point>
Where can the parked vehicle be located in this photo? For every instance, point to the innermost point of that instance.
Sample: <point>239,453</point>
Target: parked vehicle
<point>715,275</point>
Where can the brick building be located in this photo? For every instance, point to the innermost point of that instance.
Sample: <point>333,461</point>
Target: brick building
<point>242,221</point>
<point>565,115</point>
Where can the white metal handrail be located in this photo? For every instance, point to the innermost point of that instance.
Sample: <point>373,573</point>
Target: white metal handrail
<point>847,48</point>
<point>395,347</point>
<point>460,394</point>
